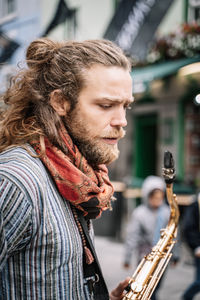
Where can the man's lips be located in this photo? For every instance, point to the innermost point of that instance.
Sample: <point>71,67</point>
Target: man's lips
<point>114,137</point>
<point>110,141</point>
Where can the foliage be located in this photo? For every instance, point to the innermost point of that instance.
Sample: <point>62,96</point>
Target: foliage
<point>183,43</point>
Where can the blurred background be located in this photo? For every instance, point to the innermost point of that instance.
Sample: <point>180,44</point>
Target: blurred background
<point>162,40</point>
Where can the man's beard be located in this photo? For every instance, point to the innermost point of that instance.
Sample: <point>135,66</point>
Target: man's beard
<point>92,148</point>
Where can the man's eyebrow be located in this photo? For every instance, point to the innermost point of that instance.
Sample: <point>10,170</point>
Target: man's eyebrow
<point>115,99</point>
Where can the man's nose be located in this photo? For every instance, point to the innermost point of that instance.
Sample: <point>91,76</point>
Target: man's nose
<point>119,118</point>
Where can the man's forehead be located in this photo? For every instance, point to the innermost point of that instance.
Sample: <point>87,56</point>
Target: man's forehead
<point>99,69</point>
<point>115,84</point>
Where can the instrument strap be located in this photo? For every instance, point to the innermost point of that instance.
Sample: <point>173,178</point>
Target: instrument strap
<point>198,199</point>
<point>92,272</point>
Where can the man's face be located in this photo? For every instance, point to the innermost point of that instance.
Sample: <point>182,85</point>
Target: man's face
<point>96,123</point>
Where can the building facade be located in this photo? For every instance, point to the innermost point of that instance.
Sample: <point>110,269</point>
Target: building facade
<point>165,115</point>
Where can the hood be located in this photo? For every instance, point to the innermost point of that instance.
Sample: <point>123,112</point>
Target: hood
<point>151,183</point>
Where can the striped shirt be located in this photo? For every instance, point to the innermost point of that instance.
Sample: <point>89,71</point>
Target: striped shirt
<point>40,246</point>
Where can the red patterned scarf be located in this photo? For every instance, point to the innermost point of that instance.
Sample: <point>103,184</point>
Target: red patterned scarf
<point>87,189</point>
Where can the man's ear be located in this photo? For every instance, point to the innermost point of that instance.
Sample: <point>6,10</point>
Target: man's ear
<point>59,104</point>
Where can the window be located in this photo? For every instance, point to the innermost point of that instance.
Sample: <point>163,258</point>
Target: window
<point>194,10</point>
<point>7,9</point>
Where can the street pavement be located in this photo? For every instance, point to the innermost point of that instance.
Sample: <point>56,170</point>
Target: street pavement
<point>176,279</point>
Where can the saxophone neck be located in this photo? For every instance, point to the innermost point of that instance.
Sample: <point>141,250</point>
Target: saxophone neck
<point>172,200</point>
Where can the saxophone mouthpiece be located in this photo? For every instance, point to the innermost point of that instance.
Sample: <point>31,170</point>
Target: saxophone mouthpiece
<point>168,170</point>
<point>168,160</point>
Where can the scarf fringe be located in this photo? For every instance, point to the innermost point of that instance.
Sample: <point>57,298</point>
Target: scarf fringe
<point>88,255</point>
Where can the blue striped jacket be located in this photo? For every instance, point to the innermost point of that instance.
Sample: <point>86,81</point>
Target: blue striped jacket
<point>40,246</point>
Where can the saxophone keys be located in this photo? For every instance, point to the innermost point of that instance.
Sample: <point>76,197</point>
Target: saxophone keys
<point>136,287</point>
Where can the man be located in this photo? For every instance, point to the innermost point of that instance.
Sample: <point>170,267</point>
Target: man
<point>64,116</point>
<point>191,231</point>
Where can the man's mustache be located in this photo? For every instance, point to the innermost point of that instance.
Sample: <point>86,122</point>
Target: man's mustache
<point>116,134</point>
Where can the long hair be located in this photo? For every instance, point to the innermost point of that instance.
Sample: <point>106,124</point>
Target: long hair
<point>50,66</point>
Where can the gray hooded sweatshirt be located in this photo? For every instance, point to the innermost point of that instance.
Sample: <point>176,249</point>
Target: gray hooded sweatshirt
<point>143,230</point>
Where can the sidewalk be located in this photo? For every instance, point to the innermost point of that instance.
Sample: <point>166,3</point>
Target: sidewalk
<point>110,254</point>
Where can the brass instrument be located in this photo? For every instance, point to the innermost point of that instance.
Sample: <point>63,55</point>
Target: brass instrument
<point>149,271</point>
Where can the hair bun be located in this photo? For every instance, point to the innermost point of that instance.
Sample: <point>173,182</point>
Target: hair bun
<point>41,51</point>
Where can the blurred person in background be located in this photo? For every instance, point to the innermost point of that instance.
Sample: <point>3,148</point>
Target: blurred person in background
<point>143,231</point>
<point>191,233</point>
<point>64,115</point>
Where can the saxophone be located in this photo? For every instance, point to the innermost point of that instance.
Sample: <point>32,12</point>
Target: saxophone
<point>149,271</point>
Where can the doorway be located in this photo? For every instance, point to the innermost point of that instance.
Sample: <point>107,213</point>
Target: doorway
<point>145,145</point>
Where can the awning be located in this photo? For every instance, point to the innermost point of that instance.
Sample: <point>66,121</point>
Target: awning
<point>144,75</point>
<point>134,24</point>
<point>62,13</point>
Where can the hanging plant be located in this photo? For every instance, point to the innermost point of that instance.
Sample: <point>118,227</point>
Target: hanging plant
<point>183,43</point>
